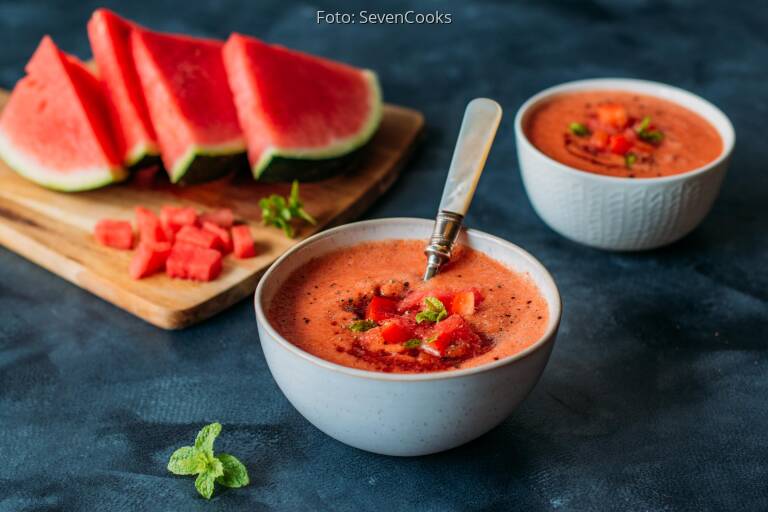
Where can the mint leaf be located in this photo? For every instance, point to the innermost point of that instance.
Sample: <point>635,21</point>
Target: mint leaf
<point>362,325</point>
<point>630,159</point>
<point>186,461</point>
<point>414,343</point>
<point>235,474</point>
<point>206,437</point>
<point>199,460</point>
<point>578,129</point>
<point>434,311</point>
<point>644,124</point>
<point>279,211</point>
<point>204,484</point>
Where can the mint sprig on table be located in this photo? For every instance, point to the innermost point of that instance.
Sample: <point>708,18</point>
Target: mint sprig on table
<point>223,469</point>
<point>280,211</point>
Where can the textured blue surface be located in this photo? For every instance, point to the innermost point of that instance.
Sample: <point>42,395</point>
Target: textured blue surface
<point>656,396</point>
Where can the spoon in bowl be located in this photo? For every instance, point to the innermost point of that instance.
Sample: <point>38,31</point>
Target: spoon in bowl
<point>478,129</point>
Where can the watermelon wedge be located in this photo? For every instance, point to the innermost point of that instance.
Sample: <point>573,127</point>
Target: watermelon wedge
<point>190,104</point>
<point>298,107</point>
<point>55,128</point>
<point>111,44</point>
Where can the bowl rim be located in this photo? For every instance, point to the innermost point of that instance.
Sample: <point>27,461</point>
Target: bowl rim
<point>727,134</point>
<point>548,335</point>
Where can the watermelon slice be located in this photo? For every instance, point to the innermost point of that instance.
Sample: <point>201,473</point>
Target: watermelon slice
<point>110,41</point>
<point>55,128</point>
<point>190,104</point>
<point>298,107</point>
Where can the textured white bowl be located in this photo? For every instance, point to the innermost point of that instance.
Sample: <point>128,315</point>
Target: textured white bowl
<point>621,213</point>
<point>402,414</point>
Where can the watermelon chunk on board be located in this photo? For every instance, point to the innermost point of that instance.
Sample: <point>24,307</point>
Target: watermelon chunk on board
<point>187,261</point>
<point>109,35</point>
<point>298,107</point>
<point>190,104</point>
<point>55,128</point>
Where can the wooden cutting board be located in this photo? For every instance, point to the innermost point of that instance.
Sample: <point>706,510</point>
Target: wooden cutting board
<point>55,229</point>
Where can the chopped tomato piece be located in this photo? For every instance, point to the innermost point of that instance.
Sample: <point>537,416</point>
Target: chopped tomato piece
<point>397,330</point>
<point>225,240</point>
<point>448,332</point>
<point>222,217</point>
<point>613,114</point>
<point>380,308</point>
<point>148,259</point>
<point>114,233</point>
<point>188,261</point>
<point>242,242</point>
<point>463,303</point>
<point>619,145</point>
<point>197,236</point>
<point>174,217</point>
<point>148,225</point>
<point>599,140</point>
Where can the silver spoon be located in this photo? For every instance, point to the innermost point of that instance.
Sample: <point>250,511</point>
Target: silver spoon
<point>481,120</point>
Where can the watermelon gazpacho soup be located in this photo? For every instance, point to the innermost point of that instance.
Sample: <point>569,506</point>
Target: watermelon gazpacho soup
<point>366,307</point>
<point>622,134</point>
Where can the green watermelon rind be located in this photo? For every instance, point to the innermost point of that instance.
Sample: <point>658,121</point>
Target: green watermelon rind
<point>71,181</point>
<point>139,152</point>
<point>337,149</point>
<point>183,163</point>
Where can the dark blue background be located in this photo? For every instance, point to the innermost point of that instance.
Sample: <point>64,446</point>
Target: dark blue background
<point>656,396</point>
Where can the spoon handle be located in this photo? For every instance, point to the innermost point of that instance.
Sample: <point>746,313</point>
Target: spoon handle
<point>478,129</point>
<point>481,120</point>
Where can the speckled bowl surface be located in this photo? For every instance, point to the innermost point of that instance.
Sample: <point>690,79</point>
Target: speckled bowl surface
<point>402,414</point>
<point>621,214</point>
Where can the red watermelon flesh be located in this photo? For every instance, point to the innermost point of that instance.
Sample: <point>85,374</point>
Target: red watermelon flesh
<point>223,217</point>
<point>196,236</point>
<point>55,128</point>
<point>110,41</point>
<point>295,105</point>
<point>188,97</point>
<point>114,233</point>
<point>225,240</point>
<point>188,261</point>
<point>149,258</point>
<point>148,225</point>
<point>242,242</point>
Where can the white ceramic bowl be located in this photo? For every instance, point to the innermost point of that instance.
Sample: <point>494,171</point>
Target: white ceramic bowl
<point>621,213</point>
<point>402,414</point>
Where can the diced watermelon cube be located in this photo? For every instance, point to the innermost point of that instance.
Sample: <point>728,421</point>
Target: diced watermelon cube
<point>174,217</point>
<point>397,330</point>
<point>149,258</point>
<point>114,233</point>
<point>148,225</point>
<point>188,261</point>
<point>223,217</point>
<point>463,303</point>
<point>242,242</point>
<point>225,240</point>
<point>196,236</point>
<point>451,330</point>
<point>380,308</point>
